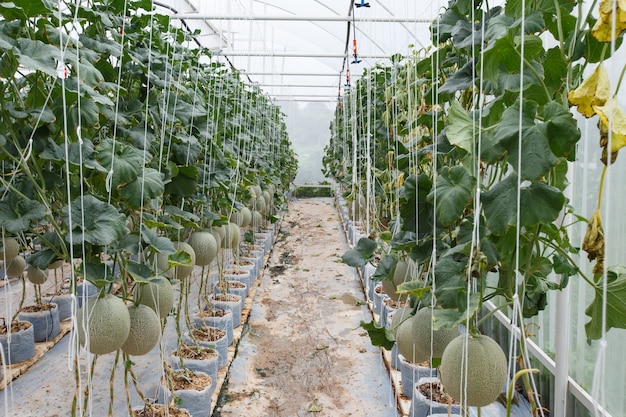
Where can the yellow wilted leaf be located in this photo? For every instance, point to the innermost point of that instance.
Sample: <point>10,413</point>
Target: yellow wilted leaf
<point>594,91</point>
<point>602,30</point>
<point>618,128</point>
<point>593,242</point>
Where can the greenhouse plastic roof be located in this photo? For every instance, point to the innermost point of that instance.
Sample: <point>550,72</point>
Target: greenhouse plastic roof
<point>301,50</point>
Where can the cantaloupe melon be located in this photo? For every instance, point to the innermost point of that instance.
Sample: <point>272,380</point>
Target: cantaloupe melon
<point>105,322</point>
<point>232,236</point>
<point>182,272</point>
<point>400,275</point>
<point>267,197</point>
<point>204,246</point>
<point>159,296</point>
<point>257,220</point>
<point>237,218</point>
<point>257,190</point>
<point>10,248</point>
<point>405,340</point>
<point>486,370</point>
<point>56,264</point>
<point>261,206</point>
<point>145,330</point>
<point>36,276</point>
<point>399,316</point>
<point>247,217</point>
<point>15,266</point>
<point>423,334</point>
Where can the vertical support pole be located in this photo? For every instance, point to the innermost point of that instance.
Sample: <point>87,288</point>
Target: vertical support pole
<point>561,347</point>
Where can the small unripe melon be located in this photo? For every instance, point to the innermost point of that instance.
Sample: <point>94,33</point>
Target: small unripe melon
<point>159,296</point>
<point>10,248</point>
<point>15,266</point>
<point>247,217</point>
<point>145,330</point>
<point>36,275</point>
<point>423,334</point>
<point>56,264</point>
<point>204,246</point>
<point>182,272</point>
<point>107,324</point>
<point>486,370</point>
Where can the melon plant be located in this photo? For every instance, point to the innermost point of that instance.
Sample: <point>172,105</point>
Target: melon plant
<point>204,246</point>
<point>399,316</point>
<point>480,376</point>
<point>104,322</point>
<point>159,296</point>
<point>145,330</point>
<point>36,276</point>
<point>401,274</point>
<point>10,248</point>
<point>425,337</point>
<point>15,266</point>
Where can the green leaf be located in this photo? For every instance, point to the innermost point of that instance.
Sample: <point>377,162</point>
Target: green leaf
<point>42,258</point>
<point>385,268</point>
<point>16,215</point>
<point>24,9</point>
<point>615,303</point>
<point>415,289</point>
<point>451,277</point>
<point>460,131</point>
<point>539,203</point>
<point>141,272</point>
<point>454,190</point>
<point>361,254</point>
<point>97,273</point>
<point>157,243</point>
<point>145,188</point>
<point>125,161</point>
<point>38,56</point>
<point>451,318</point>
<point>94,221</point>
<point>179,258</point>
<point>379,336</point>
<point>460,80</point>
<point>563,132</point>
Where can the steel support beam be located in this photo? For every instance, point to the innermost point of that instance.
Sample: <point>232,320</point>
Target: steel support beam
<point>282,54</point>
<point>293,18</point>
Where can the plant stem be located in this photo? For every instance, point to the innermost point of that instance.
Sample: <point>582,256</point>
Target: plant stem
<point>509,392</point>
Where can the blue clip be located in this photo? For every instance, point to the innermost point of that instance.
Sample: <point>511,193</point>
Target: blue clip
<point>362,4</point>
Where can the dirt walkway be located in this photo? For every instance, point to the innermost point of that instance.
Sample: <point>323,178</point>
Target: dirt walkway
<point>304,353</point>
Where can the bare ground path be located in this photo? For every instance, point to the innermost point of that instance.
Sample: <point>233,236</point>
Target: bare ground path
<point>304,353</point>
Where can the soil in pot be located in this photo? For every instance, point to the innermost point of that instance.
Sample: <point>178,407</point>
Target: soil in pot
<point>189,380</point>
<point>45,320</point>
<point>213,337</point>
<point>192,391</point>
<point>197,358</point>
<point>156,410</point>
<point>434,391</point>
<point>230,302</point>
<point>222,319</point>
<point>22,346</point>
<point>63,301</point>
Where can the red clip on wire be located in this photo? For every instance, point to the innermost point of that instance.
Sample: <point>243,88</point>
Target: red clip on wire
<point>348,77</point>
<point>355,54</point>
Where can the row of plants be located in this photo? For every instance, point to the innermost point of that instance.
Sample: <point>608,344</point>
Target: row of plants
<point>472,141</point>
<point>122,138</point>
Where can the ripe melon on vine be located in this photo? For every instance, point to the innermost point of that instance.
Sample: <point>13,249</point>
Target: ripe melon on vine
<point>425,337</point>
<point>399,316</point>
<point>257,220</point>
<point>405,340</point>
<point>10,248</point>
<point>400,275</point>
<point>232,237</point>
<point>159,296</point>
<point>247,217</point>
<point>484,376</point>
<point>204,246</point>
<point>237,218</point>
<point>145,330</point>
<point>104,322</point>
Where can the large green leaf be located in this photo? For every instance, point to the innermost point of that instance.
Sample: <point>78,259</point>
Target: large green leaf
<point>125,161</point>
<point>454,190</point>
<point>38,56</point>
<point>145,188</point>
<point>563,132</point>
<point>461,128</point>
<point>141,272</point>
<point>24,9</point>
<point>16,215</point>
<point>536,157</point>
<point>157,243</point>
<point>385,268</point>
<point>461,79</point>
<point>615,303</point>
<point>94,221</point>
<point>361,254</point>
<point>539,203</point>
<point>97,273</point>
<point>451,282</point>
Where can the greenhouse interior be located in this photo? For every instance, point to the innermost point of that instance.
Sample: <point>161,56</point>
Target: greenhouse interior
<point>383,208</point>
